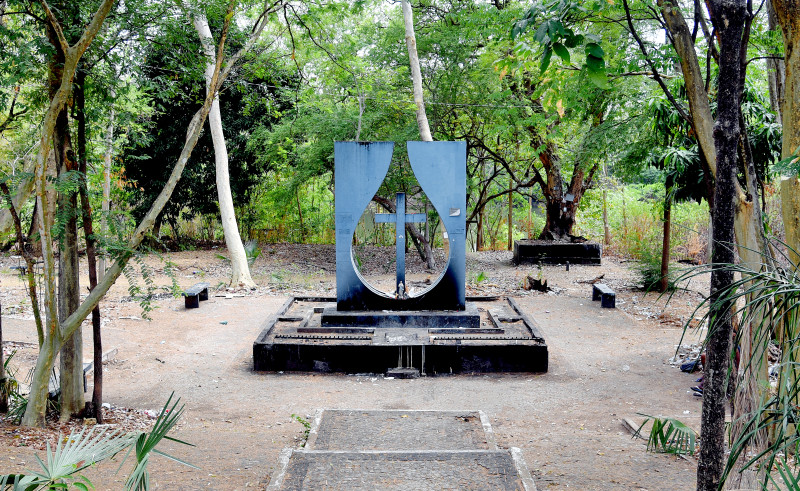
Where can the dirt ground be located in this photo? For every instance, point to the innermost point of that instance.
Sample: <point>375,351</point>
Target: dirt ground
<point>605,365</point>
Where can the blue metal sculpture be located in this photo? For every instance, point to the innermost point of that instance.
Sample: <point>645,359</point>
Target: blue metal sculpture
<point>440,169</point>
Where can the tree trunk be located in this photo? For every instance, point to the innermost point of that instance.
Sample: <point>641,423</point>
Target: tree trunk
<point>749,237</point>
<point>776,69</point>
<point>561,204</point>
<point>664,284</point>
<point>106,186</point>
<point>606,231</point>
<point>510,214</point>
<point>240,271</point>
<point>699,107</point>
<point>421,243</point>
<point>96,407</point>
<point>479,232</point>
<point>24,192</point>
<point>788,15</point>
<point>30,264</point>
<point>3,382</point>
<point>730,16</point>
<point>416,75</point>
<point>300,216</point>
<point>71,356</point>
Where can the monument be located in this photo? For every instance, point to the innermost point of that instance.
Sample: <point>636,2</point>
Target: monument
<point>366,330</point>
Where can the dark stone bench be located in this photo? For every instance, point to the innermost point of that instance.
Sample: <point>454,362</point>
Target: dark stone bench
<point>607,297</point>
<point>194,294</point>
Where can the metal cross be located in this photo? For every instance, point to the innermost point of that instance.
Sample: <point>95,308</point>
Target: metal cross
<point>400,218</point>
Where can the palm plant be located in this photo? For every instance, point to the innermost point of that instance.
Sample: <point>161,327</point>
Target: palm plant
<point>768,299</point>
<point>146,445</point>
<point>81,449</point>
<point>668,435</point>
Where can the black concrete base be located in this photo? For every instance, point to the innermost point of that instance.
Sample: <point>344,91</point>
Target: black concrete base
<point>506,341</point>
<point>402,373</point>
<point>469,318</point>
<point>549,252</point>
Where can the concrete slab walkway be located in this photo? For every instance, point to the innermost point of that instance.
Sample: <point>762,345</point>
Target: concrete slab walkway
<point>401,450</point>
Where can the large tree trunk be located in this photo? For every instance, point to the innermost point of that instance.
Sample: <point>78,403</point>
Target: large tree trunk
<point>71,356</point>
<point>730,16</point>
<point>416,75</point>
<point>561,204</point>
<point>788,15</point>
<point>749,237</point>
<point>240,272</point>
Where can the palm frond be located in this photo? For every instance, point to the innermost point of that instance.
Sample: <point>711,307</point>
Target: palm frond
<point>147,442</point>
<point>669,435</point>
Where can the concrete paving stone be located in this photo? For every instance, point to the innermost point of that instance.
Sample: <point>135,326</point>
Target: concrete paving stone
<point>402,430</point>
<point>400,471</point>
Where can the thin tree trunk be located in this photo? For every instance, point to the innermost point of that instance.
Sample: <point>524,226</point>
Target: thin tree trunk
<point>530,216</point>
<point>3,382</point>
<point>240,271</point>
<point>479,232</point>
<point>731,17</point>
<point>776,69</point>
<point>106,207</point>
<point>416,75</point>
<point>510,214</point>
<point>300,215</point>
<point>606,231</point>
<point>96,406</point>
<point>30,263</point>
<point>624,214</point>
<point>24,192</point>
<point>664,285</point>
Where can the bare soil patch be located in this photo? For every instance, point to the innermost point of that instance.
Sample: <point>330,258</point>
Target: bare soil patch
<point>605,365</point>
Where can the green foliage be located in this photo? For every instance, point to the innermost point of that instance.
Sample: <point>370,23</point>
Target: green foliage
<point>554,21</point>
<point>668,435</point>
<point>9,388</point>
<point>648,266</point>
<point>82,449</point>
<point>767,298</point>
<point>634,215</point>
<point>786,475</point>
<point>252,251</point>
<point>306,425</point>
<point>145,445</point>
<point>173,79</point>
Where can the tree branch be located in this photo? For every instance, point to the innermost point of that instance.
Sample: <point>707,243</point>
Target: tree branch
<point>656,75</point>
